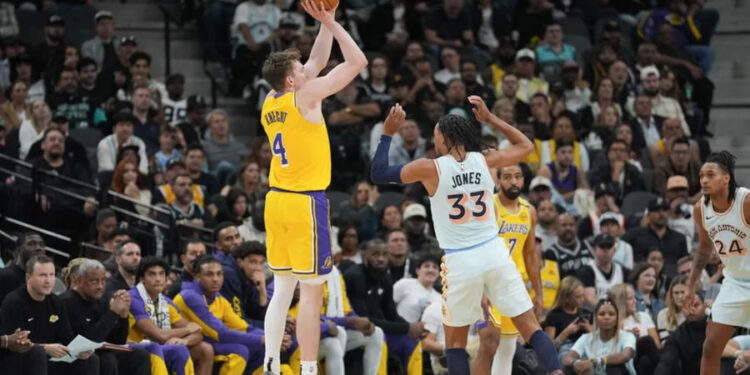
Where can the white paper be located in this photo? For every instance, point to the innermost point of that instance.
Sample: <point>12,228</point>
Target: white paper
<point>79,345</point>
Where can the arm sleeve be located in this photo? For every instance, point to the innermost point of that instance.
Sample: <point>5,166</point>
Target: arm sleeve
<point>380,171</point>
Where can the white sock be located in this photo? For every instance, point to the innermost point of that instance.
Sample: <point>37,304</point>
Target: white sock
<point>276,320</point>
<point>309,368</point>
<point>502,363</point>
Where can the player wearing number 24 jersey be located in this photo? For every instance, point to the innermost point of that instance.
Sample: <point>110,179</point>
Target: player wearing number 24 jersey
<point>722,218</point>
<point>476,262</point>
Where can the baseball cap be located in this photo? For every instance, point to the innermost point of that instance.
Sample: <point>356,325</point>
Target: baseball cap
<point>657,204</point>
<point>102,14</point>
<point>603,189</point>
<point>174,162</point>
<point>124,117</point>
<point>128,41</point>
<point>196,101</point>
<point>649,70</point>
<point>540,181</point>
<point>55,20</point>
<point>525,53</point>
<point>415,210</point>
<point>604,241</point>
<point>609,216</point>
<point>677,182</point>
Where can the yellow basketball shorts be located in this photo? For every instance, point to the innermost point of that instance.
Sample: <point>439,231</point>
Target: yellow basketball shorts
<point>504,323</point>
<point>298,236</point>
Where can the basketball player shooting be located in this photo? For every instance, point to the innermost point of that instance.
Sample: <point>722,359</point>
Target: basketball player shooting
<point>722,219</point>
<point>296,214</point>
<point>476,260</point>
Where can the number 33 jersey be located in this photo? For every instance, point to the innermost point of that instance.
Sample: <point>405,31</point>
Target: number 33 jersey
<point>731,235</point>
<point>301,151</point>
<point>462,206</point>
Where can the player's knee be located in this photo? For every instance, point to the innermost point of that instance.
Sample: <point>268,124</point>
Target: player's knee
<point>489,339</point>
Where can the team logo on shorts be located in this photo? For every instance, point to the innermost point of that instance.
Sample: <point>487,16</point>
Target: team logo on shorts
<point>327,263</point>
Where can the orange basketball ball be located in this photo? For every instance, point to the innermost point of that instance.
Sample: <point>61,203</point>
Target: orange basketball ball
<point>327,4</point>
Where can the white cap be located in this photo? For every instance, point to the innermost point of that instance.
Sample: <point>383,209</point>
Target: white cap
<point>415,210</point>
<point>540,181</point>
<point>649,70</point>
<point>525,52</point>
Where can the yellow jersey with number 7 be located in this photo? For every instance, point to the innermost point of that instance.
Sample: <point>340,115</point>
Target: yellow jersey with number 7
<point>301,151</point>
<point>514,228</point>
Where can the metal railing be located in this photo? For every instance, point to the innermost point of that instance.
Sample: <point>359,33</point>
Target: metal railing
<point>172,14</point>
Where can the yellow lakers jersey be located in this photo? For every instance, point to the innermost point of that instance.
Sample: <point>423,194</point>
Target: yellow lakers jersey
<point>301,152</point>
<point>514,228</point>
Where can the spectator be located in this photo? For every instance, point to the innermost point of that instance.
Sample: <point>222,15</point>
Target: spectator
<point>611,224</point>
<point>641,325</point>
<point>412,145</point>
<point>231,336</point>
<point>505,110</point>
<point>671,316</point>
<point>260,150</point>
<point>680,163</point>
<point>541,116</point>
<point>415,225</point>
<point>546,226</point>
<point>660,105</point>
<point>451,63</point>
<point>122,136</point>
<point>508,88</point>
<point>601,274</point>
<point>569,253</point>
<point>31,309</point>
<point>12,276</point>
<point>168,143</point>
<point>128,180</point>
<point>253,28</point>
<point>140,71</point>
<point>177,343</point>
<point>603,131</point>
<point>531,22</point>
<point>643,279</point>
<point>288,36</point>
<point>400,265</point>
<point>577,92</point>
<point>568,320</point>
<point>604,97</point>
<point>102,47</point>
<point>22,67</point>
<point>175,106</point>
<point>391,25</point>
<point>67,100</point>
<point>646,126</point>
<point>183,206</point>
<point>474,84</point>
<point>638,156</point>
<point>370,291</point>
<point>552,48</point>
<point>359,210</point>
<point>455,99</point>
<point>195,160</point>
<point>227,238</point>
<point>562,128</point>
<point>656,259</point>
<point>449,24</point>
<point>611,35</point>
<point>656,234</point>
<point>15,111</point>
<point>49,55</point>
<point>623,175</point>
<point>100,320</point>
<point>216,19</point>
<point>32,129</point>
<point>596,352</point>
<point>223,152</point>
<point>348,239</point>
<point>604,199</point>
<point>671,131</point>
<point>624,83</point>
<point>565,177</point>
<point>145,128</point>
<point>249,182</point>
<point>234,207</point>
<point>528,83</point>
<point>434,340</point>
<point>378,86</point>
<point>390,219</point>
<point>105,223</point>
<point>680,215</point>
<point>192,249</point>
<point>254,227</point>
<point>604,56</point>
<point>127,258</point>
<point>412,296</point>
<point>88,89</point>
<point>682,351</point>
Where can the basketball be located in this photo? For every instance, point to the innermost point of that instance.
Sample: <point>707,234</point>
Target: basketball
<point>327,4</point>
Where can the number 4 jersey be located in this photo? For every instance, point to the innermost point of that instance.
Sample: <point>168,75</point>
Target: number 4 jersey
<point>729,232</point>
<point>301,151</point>
<point>462,207</point>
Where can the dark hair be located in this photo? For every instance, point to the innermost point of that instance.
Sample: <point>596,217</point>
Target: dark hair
<point>202,260</point>
<point>607,301</point>
<point>459,131</point>
<point>638,269</point>
<point>382,215</point>
<point>50,130</point>
<point>617,141</point>
<point>468,60</point>
<point>139,55</point>
<point>150,262</point>
<point>428,257</point>
<point>119,249</point>
<point>117,232</point>
<point>194,146</point>
<point>104,214</point>
<point>681,140</point>
<point>248,248</point>
<point>166,129</point>
<point>21,239</point>
<point>540,95</point>
<point>388,234</point>
<point>220,227</point>
<point>563,142</point>
<point>725,161</point>
<point>189,241</point>
<point>342,232</point>
<point>84,62</point>
<point>278,66</point>
<point>41,258</point>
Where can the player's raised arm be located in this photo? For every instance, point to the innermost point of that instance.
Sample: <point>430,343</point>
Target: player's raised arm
<point>520,145</point>
<point>319,88</point>
<point>321,49</point>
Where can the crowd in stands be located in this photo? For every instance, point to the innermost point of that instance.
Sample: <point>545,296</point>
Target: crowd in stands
<point>131,214</point>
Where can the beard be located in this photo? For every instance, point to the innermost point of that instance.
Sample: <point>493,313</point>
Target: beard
<point>511,193</point>
<point>651,93</point>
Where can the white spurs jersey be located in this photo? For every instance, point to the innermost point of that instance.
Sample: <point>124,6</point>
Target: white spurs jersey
<point>731,236</point>
<point>462,210</point>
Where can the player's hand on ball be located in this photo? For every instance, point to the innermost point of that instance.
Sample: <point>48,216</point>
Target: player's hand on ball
<point>315,10</point>
<point>480,109</point>
<point>394,121</point>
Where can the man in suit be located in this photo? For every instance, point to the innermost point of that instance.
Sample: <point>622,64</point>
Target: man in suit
<point>646,126</point>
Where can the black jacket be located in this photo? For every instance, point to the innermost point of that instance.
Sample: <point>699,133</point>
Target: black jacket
<point>683,350</point>
<point>11,277</point>
<point>94,320</point>
<point>47,320</point>
<point>639,139</point>
<point>633,180</point>
<point>371,295</point>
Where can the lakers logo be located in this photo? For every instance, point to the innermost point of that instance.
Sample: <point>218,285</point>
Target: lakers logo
<point>327,263</point>
<point>53,318</point>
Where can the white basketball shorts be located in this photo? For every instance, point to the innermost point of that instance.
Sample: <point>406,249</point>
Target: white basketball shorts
<point>732,305</point>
